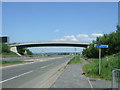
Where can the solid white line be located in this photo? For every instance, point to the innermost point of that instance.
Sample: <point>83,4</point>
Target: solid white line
<point>15,77</point>
<point>16,65</point>
<point>24,63</point>
<point>89,82</point>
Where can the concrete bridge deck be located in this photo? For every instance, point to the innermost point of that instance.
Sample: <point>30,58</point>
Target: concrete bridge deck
<point>15,47</point>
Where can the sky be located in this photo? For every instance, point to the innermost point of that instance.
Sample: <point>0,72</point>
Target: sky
<point>58,21</point>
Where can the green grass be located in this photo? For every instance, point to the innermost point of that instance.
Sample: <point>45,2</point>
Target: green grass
<point>107,64</point>
<point>75,60</point>
<point>10,54</point>
<point>5,63</point>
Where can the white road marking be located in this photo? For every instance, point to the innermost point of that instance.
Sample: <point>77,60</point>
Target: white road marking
<point>34,61</point>
<point>15,77</point>
<point>89,82</point>
<point>16,65</point>
<point>47,65</point>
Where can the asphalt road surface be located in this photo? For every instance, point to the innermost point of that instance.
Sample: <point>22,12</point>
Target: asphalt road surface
<point>29,75</point>
<point>27,58</point>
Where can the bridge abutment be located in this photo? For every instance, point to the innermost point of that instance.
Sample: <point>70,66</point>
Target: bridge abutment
<point>15,50</point>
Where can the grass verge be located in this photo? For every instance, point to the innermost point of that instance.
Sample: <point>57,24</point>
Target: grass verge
<point>6,63</point>
<point>75,60</point>
<point>107,64</point>
<point>10,54</point>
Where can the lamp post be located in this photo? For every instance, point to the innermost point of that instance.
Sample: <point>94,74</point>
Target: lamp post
<point>75,54</point>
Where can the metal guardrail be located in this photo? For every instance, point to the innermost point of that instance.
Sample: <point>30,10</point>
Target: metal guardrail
<point>116,79</point>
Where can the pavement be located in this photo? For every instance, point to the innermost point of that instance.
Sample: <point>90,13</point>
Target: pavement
<point>33,75</point>
<point>72,78</point>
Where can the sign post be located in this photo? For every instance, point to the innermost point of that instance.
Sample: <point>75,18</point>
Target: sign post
<point>99,59</point>
<point>100,46</point>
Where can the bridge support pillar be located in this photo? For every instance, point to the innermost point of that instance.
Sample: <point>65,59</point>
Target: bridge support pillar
<point>15,50</point>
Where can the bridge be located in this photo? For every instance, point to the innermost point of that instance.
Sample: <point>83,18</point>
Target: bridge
<point>15,47</point>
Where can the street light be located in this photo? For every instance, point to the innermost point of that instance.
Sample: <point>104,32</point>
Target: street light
<point>75,54</point>
<point>42,52</point>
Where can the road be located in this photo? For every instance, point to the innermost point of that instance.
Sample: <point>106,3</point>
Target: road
<point>27,58</point>
<point>30,75</point>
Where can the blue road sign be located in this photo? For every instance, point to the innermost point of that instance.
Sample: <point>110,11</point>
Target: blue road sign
<point>100,46</point>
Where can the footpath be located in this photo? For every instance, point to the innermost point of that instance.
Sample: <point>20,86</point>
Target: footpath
<point>73,77</point>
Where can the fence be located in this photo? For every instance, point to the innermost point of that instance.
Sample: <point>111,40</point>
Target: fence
<point>116,79</point>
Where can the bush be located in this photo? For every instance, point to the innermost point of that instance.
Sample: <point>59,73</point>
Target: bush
<point>112,40</point>
<point>107,64</point>
<point>4,48</point>
<point>22,51</point>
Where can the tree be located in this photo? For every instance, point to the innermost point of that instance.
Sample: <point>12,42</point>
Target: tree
<point>112,40</point>
<point>118,28</point>
<point>22,51</point>
<point>29,52</point>
<point>4,48</point>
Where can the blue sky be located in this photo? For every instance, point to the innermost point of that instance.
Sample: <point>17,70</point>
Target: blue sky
<point>60,21</point>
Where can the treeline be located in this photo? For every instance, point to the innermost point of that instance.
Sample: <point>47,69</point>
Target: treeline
<point>112,39</point>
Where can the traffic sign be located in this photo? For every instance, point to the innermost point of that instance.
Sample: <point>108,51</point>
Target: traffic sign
<point>100,46</point>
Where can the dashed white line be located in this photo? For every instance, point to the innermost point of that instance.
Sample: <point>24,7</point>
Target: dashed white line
<point>47,65</point>
<point>15,77</point>
<point>16,65</point>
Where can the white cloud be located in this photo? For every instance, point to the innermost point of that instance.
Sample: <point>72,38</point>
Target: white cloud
<point>96,34</point>
<point>70,38</point>
<point>67,38</point>
<point>59,40</point>
<point>74,39</point>
<point>82,35</point>
<point>83,38</point>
